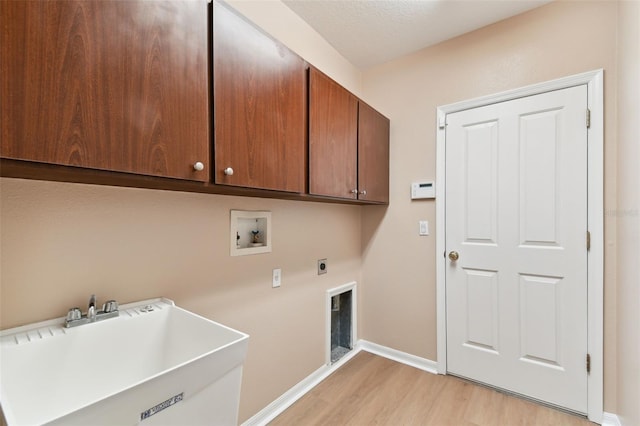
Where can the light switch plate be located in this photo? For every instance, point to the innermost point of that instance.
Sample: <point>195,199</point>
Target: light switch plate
<point>276,278</point>
<point>424,227</point>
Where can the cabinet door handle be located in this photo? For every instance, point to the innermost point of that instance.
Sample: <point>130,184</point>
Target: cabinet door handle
<point>228,171</point>
<point>198,167</point>
<point>354,191</point>
<point>363,192</point>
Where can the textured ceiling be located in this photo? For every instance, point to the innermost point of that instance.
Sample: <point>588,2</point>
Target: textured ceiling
<point>370,32</point>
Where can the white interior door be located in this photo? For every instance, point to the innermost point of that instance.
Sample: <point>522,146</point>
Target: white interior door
<point>516,215</point>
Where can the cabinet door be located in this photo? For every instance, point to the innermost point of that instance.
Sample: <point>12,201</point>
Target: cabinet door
<point>373,155</point>
<point>116,85</point>
<point>259,94</point>
<point>333,138</point>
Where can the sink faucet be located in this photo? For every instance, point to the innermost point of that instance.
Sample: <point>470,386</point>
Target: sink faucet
<point>75,316</point>
<point>91,311</point>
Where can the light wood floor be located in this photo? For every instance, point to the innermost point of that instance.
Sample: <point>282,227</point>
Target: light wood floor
<point>371,390</point>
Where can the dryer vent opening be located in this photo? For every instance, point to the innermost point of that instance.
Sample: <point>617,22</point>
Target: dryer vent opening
<point>341,325</point>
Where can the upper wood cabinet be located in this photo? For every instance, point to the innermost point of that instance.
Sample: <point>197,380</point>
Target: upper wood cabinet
<point>260,107</point>
<point>348,144</point>
<point>333,138</point>
<point>128,86</point>
<point>373,155</point>
<point>116,85</point>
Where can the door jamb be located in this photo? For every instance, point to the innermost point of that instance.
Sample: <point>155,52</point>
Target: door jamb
<point>595,223</point>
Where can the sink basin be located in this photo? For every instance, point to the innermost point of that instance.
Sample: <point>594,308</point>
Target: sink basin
<point>158,366</point>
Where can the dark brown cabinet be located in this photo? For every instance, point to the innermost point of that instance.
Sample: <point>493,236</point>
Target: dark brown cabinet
<point>333,138</point>
<point>113,85</point>
<point>119,92</point>
<point>348,144</point>
<point>260,110</point>
<point>373,155</point>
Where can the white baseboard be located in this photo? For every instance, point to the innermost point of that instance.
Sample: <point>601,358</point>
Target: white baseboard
<point>610,419</point>
<point>271,411</point>
<point>285,400</point>
<point>399,356</point>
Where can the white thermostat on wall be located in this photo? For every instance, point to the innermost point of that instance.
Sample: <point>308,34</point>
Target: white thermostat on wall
<point>421,190</point>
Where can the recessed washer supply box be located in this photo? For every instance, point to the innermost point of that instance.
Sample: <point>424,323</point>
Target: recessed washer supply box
<point>421,190</point>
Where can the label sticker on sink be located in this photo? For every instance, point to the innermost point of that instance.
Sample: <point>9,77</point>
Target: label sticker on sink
<point>166,404</point>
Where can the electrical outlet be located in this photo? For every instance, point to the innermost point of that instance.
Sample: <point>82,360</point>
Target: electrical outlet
<point>276,278</point>
<point>322,266</point>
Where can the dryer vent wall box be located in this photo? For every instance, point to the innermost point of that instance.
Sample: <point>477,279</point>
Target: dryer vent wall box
<point>420,190</point>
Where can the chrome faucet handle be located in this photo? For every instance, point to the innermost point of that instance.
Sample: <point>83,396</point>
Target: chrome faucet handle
<point>110,306</point>
<point>74,314</point>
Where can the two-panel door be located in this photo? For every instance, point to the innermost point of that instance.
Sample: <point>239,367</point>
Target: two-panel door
<point>113,85</point>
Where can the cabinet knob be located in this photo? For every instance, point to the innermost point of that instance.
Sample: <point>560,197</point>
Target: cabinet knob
<point>363,192</point>
<point>198,166</point>
<point>228,171</point>
<point>354,191</point>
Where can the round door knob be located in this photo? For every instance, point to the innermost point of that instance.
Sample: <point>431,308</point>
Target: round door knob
<point>354,191</point>
<point>198,166</point>
<point>453,256</point>
<point>363,192</point>
<point>228,171</point>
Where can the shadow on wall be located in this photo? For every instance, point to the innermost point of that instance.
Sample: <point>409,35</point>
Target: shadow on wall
<point>372,217</point>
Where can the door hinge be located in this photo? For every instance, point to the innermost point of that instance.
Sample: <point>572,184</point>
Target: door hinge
<point>442,122</point>
<point>588,363</point>
<point>588,118</point>
<point>588,240</point>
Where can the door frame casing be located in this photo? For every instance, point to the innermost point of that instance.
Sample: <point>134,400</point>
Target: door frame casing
<point>595,220</point>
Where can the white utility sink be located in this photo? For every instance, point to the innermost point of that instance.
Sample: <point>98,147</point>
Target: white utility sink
<point>164,366</point>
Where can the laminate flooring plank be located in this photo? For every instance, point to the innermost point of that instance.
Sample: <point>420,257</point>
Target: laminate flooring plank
<point>381,406</point>
<point>370,390</point>
<point>484,406</point>
<point>421,400</point>
<point>451,404</point>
